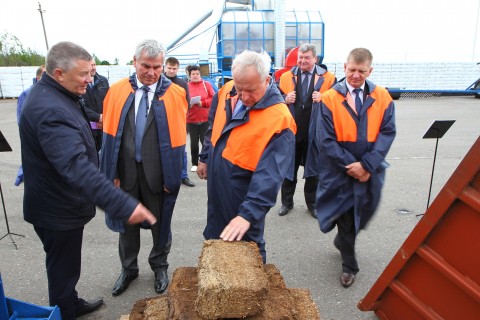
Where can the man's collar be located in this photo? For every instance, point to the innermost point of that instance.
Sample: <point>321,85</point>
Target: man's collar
<point>350,88</point>
<point>152,87</point>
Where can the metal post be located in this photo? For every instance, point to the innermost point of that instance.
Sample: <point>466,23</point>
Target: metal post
<point>6,221</point>
<point>475,34</point>
<point>43,23</point>
<point>433,169</point>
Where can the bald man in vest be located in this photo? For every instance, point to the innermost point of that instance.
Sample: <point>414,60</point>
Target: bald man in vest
<point>247,152</point>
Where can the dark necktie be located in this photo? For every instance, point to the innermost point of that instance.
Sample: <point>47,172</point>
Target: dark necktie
<point>142,113</point>
<point>305,84</point>
<point>240,108</point>
<point>358,101</point>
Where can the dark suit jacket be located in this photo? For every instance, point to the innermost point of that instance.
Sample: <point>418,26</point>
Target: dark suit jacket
<point>303,109</point>
<point>127,172</point>
<point>94,97</point>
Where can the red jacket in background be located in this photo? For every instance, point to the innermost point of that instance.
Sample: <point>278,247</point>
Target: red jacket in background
<point>205,90</point>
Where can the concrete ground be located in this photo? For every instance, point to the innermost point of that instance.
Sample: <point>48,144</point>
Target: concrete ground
<point>305,257</point>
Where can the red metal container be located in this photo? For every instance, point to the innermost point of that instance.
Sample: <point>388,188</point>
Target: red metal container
<point>436,272</point>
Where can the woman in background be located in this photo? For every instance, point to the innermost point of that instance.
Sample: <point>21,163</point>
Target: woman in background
<point>201,94</point>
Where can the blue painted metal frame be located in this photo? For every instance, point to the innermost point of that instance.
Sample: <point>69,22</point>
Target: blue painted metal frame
<point>12,309</point>
<point>473,89</point>
<point>224,59</point>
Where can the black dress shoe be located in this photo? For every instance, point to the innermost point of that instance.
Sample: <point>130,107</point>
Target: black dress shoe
<point>313,213</point>
<point>284,210</point>
<point>187,182</point>
<point>122,283</point>
<point>83,307</point>
<point>161,281</point>
<point>346,279</point>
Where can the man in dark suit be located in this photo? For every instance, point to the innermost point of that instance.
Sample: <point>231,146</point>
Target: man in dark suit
<point>144,141</point>
<point>96,92</point>
<point>301,86</point>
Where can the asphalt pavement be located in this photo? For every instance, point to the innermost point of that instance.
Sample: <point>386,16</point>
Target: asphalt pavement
<point>305,256</point>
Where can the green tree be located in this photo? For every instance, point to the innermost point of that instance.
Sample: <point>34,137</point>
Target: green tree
<point>99,62</point>
<point>12,53</point>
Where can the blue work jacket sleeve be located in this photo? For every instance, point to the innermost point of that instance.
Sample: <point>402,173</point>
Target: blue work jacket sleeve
<point>375,158</point>
<point>313,151</point>
<point>276,163</point>
<point>207,142</point>
<point>63,143</point>
<point>20,101</point>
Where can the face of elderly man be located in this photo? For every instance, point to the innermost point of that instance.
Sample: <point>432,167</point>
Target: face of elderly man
<point>306,60</point>
<point>148,69</point>
<point>249,85</point>
<point>76,79</point>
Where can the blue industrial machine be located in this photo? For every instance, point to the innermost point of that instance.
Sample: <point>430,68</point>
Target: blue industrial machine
<point>255,30</point>
<point>235,25</point>
<point>255,25</point>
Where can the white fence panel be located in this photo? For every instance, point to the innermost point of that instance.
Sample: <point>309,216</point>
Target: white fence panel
<point>411,76</point>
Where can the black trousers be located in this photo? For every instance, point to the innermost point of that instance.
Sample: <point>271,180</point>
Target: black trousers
<point>129,241</point>
<point>345,241</point>
<point>98,136</point>
<point>63,261</point>
<point>310,187</point>
<point>197,134</point>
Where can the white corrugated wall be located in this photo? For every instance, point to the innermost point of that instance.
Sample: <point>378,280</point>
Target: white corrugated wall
<point>411,76</point>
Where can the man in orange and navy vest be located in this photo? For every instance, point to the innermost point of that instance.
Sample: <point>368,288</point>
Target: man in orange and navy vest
<point>144,124</point>
<point>351,132</point>
<point>248,151</point>
<point>301,87</point>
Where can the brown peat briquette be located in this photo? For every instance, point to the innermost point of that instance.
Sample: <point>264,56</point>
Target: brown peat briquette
<point>280,305</point>
<point>304,305</point>
<point>275,279</point>
<point>231,280</point>
<point>155,308</point>
<point>182,294</point>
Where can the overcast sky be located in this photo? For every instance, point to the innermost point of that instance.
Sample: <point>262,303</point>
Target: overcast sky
<point>395,31</point>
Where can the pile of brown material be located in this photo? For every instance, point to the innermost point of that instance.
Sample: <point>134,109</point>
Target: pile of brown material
<point>182,294</point>
<point>231,280</point>
<point>150,309</point>
<point>209,291</point>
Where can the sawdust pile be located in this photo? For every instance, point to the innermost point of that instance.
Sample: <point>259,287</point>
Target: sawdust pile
<point>230,282</point>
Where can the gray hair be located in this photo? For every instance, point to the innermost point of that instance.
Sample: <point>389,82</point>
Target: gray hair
<point>261,61</point>
<point>305,47</point>
<point>360,55</point>
<point>152,49</point>
<point>64,55</point>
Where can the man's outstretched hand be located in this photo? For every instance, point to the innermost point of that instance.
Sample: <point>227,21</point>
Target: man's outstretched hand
<point>141,214</point>
<point>235,230</point>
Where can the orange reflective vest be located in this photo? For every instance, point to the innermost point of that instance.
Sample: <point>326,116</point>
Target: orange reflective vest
<point>247,141</point>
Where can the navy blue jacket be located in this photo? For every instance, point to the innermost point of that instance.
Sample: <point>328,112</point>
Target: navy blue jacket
<point>339,136</point>
<point>237,183</point>
<point>94,97</point>
<point>62,179</point>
